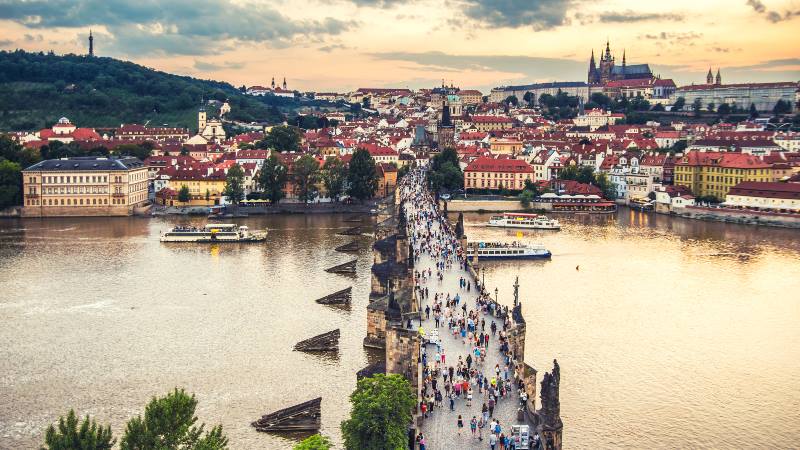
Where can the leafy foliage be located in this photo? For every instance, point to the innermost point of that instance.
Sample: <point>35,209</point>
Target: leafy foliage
<point>68,436</point>
<point>306,175</point>
<point>334,176</point>
<point>272,178</point>
<point>282,139</point>
<point>313,442</point>
<point>38,88</point>
<point>381,414</point>
<point>13,158</point>
<point>526,197</point>
<point>183,194</point>
<point>234,184</point>
<point>445,173</point>
<point>587,175</point>
<point>169,424</point>
<point>362,177</point>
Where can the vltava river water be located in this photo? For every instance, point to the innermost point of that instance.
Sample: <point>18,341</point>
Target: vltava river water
<point>672,333</point>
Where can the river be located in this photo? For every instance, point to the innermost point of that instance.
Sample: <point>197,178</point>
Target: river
<point>672,333</point>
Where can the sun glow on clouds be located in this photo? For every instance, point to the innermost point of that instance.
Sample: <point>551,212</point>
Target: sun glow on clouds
<point>343,44</point>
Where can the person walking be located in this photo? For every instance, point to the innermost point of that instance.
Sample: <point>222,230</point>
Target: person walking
<point>492,440</point>
<point>460,424</point>
<point>473,425</point>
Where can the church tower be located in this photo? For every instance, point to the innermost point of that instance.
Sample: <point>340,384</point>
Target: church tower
<point>594,76</point>
<point>273,83</point>
<point>718,80</point>
<point>284,83</point>
<point>606,65</point>
<point>709,77</point>
<point>201,119</point>
<point>91,44</point>
<point>623,63</point>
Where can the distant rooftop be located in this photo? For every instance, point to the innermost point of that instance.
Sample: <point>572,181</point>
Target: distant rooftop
<point>87,163</point>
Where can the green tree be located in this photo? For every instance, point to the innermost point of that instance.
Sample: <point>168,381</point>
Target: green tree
<point>282,139</point>
<point>234,184</point>
<point>137,151</point>
<point>10,184</point>
<point>528,97</point>
<point>753,111</point>
<point>362,177</point>
<point>334,176</point>
<point>782,107</point>
<point>724,109</point>
<point>446,172</point>
<point>68,436</point>
<point>711,106</point>
<point>272,178</point>
<point>511,100</point>
<point>169,424</point>
<point>679,104</point>
<point>380,415</point>
<point>313,442</point>
<point>183,194</point>
<point>208,195</point>
<point>605,185</point>
<point>305,176</point>
<point>697,105</point>
<point>526,197</point>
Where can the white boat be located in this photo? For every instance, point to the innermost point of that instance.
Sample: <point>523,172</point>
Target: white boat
<point>514,250</point>
<point>213,232</point>
<point>520,220</point>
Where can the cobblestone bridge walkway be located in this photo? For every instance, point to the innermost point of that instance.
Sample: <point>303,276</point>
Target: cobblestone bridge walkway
<point>440,428</point>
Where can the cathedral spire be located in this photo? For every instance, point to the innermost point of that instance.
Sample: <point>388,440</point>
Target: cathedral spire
<point>718,80</point>
<point>284,83</point>
<point>709,77</point>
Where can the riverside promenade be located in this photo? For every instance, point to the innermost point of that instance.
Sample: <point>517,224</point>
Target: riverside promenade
<point>436,250</point>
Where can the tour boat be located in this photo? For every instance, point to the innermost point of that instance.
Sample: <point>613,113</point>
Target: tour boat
<point>213,232</point>
<point>520,220</point>
<point>515,250</point>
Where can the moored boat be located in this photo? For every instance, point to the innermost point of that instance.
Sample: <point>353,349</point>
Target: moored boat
<point>214,233</point>
<point>521,220</point>
<point>514,250</point>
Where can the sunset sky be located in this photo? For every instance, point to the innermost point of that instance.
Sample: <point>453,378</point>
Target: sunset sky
<point>339,45</point>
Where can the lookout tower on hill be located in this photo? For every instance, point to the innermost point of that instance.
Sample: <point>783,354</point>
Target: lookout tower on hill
<point>91,44</point>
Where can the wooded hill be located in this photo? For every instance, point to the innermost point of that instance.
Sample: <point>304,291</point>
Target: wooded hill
<point>36,89</point>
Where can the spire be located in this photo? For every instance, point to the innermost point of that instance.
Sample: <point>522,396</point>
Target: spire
<point>91,43</point>
<point>273,82</point>
<point>446,122</point>
<point>718,80</point>
<point>709,77</point>
<point>607,56</point>
<point>623,57</point>
<point>284,83</point>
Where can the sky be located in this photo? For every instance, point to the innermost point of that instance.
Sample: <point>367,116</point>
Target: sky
<point>340,45</point>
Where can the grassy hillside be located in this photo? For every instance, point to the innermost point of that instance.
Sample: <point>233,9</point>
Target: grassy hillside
<point>37,88</point>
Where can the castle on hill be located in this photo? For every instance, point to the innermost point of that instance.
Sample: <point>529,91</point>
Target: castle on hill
<point>607,70</point>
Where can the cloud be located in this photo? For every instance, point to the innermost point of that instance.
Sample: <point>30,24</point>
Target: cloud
<point>206,66</point>
<point>519,67</point>
<point>630,16</point>
<point>5,42</point>
<point>757,5</point>
<point>330,48</point>
<point>187,27</point>
<point>377,3</point>
<point>684,38</point>
<point>772,16</point>
<point>770,64</point>
<point>537,14</point>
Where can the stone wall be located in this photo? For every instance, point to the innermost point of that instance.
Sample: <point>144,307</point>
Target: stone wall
<point>740,216</point>
<point>402,354</point>
<point>493,206</point>
<point>76,211</point>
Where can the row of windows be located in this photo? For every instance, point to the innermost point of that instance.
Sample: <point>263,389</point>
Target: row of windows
<point>83,202</point>
<point>497,175</point>
<point>77,190</point>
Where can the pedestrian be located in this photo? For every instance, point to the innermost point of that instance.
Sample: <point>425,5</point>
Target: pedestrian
<point>492,440</point>
<point>421,441</point>
<point>460,424</point>
<point>452,402</point>
<point>473,425</point>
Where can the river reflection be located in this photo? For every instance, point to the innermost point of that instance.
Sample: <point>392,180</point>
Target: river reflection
<point>99,316</point>
<point>670,333</point>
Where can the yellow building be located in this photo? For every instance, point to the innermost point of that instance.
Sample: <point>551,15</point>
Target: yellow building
<point>505,146</point>
<point>715,173</point>
<point>84,186</point>
<point>470,97</point>
<point>492,123</point>
<point>204,188</point>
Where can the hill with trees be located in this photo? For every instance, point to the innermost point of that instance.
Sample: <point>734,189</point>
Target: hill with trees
<point>36,89</point>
